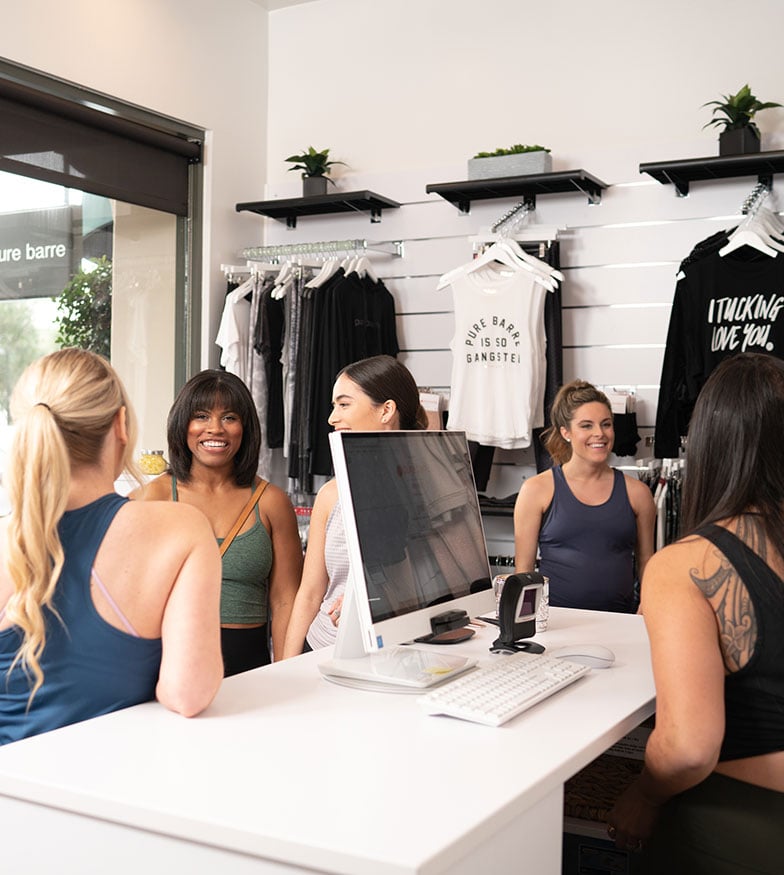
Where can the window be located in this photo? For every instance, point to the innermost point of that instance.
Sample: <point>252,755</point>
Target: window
<point>90,188</point>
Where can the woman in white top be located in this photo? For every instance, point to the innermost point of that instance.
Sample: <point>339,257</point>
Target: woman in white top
<point>374,394</point>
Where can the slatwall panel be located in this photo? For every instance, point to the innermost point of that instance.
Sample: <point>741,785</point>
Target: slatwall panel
<point>619,258</point>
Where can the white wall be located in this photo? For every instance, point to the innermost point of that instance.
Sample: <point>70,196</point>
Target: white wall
<point>405,91</point>
<point>397,84</point>
<point>195,60</point>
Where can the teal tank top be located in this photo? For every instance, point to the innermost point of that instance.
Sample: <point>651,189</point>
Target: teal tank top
<point>246,569</point>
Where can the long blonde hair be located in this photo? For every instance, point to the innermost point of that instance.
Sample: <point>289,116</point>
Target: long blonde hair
<point>63,407</point>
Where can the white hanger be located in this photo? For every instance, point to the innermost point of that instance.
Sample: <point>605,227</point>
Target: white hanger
<point>283,282</point>
<point>503,253</point>
<point>769,222</point>
<point>750,238</point>
<point>531,260</point>
<point>328,269</point>
<point>364,268</point>
<point>761,229</point>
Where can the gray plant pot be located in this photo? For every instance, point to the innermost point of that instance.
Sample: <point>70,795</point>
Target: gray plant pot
<point>313,185</point>
<point>523,164</point>
<point>740,141</point>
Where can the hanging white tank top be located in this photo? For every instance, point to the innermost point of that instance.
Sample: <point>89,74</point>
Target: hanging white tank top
<point>498,357</point>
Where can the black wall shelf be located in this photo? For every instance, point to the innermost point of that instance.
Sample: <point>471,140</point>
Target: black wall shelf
<point>526,187</point>
<point>680,173</point>
<point>289,209</point>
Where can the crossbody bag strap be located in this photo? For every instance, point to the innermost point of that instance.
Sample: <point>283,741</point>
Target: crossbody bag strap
<point>240,521</point>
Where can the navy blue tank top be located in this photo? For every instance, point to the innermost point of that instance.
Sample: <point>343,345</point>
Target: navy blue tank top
<point>89,666</point>
<point>754,695</point>
<point>587,551</point>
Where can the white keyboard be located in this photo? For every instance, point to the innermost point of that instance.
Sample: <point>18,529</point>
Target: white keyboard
<point>496,693</point>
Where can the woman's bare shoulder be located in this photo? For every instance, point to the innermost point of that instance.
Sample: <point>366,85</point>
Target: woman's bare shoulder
<point>158,512</point>
<point>328,494</point>
<point>159,489</point>
<point>275,496</point>
<point>540,487</point>
<point>637,487</point>
<point>326,499</point>
<point>682,559</point>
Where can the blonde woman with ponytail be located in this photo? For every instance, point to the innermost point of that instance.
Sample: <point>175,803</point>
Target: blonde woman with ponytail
<point>104,603</point>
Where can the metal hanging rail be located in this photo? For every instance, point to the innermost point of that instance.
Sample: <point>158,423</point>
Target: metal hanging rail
<point>323,247</point>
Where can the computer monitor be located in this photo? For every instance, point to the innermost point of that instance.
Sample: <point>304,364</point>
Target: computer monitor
<point>414,535</point>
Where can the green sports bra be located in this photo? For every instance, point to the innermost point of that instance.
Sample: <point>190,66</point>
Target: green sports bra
<point>246,569</point>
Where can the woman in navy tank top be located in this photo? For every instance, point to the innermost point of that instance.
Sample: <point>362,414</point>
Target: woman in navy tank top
<point>591,525</point>
<point>103,603</point>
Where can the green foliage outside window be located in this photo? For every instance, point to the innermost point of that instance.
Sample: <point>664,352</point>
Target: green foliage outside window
<point>20,343</point>
<point>85,309</point>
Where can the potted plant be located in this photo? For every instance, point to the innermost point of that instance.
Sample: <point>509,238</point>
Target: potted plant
<point>517,160</point>
<point>735,116</point>
<point>314,165</point>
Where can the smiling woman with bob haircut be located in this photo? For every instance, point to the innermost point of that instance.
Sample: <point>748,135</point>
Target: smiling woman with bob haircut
<point>214,441</point>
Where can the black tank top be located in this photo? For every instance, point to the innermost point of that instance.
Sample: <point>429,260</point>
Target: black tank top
<point>754,695</point>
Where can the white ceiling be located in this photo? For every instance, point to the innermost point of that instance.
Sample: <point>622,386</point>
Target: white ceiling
<point>280,4</point>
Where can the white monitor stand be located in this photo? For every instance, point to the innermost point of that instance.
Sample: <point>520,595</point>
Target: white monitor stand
<point>439,561</point>
<point>401,668</point>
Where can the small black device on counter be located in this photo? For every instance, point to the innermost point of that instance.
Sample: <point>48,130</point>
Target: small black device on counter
<point>517,609</point>
<point>449,627</point>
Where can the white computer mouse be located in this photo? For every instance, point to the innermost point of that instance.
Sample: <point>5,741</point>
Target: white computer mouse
<point>593,655</point>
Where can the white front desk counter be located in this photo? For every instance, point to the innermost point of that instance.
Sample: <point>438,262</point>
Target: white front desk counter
<point>286,772</point>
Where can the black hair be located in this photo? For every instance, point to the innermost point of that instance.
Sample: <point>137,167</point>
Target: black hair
<point>205,391</point>
<point>383,378</point>
<point>734,460</point>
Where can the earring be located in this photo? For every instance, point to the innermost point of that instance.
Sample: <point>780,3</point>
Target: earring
<point>568,440</point>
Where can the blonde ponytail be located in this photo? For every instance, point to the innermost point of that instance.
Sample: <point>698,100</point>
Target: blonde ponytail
<point>38,477</point>
<point>63,407</point>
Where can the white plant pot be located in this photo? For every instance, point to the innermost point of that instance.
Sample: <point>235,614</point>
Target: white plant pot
<point>523,164</point>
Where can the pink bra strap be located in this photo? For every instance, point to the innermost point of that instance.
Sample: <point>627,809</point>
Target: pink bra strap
<point>125,621</point>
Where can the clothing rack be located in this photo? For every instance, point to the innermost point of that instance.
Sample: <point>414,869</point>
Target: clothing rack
<point>324,247</point>
<point>755,198</point>
<point>533,234</point>
<point>517,213</point>
<point>236,272</point>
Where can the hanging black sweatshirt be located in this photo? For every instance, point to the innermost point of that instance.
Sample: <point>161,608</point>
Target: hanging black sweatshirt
<point>722,306</point>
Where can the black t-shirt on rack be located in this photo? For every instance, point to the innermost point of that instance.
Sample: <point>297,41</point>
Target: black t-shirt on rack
<point>722,306</point>
<point>354,319</point>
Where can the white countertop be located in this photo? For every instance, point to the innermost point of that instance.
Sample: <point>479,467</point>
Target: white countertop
<point>287,766</point>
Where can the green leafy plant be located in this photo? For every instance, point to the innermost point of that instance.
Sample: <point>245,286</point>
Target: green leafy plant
<point>737,110</point>
<point>313,162</point>
<point>517,149</point>
<point>85,309</point>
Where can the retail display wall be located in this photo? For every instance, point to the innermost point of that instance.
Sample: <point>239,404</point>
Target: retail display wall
<point>620,259</point>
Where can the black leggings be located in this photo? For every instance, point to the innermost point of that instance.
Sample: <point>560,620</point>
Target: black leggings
<point>720,827</point>
<point>244,649</point>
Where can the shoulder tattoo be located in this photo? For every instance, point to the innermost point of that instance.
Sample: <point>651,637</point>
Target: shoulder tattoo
<point>729,598</point>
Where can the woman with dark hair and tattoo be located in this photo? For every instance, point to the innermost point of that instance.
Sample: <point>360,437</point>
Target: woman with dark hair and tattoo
<point>711,796</point>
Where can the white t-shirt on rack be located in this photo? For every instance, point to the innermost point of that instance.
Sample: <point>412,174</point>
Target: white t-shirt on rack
<point>498,364</point>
